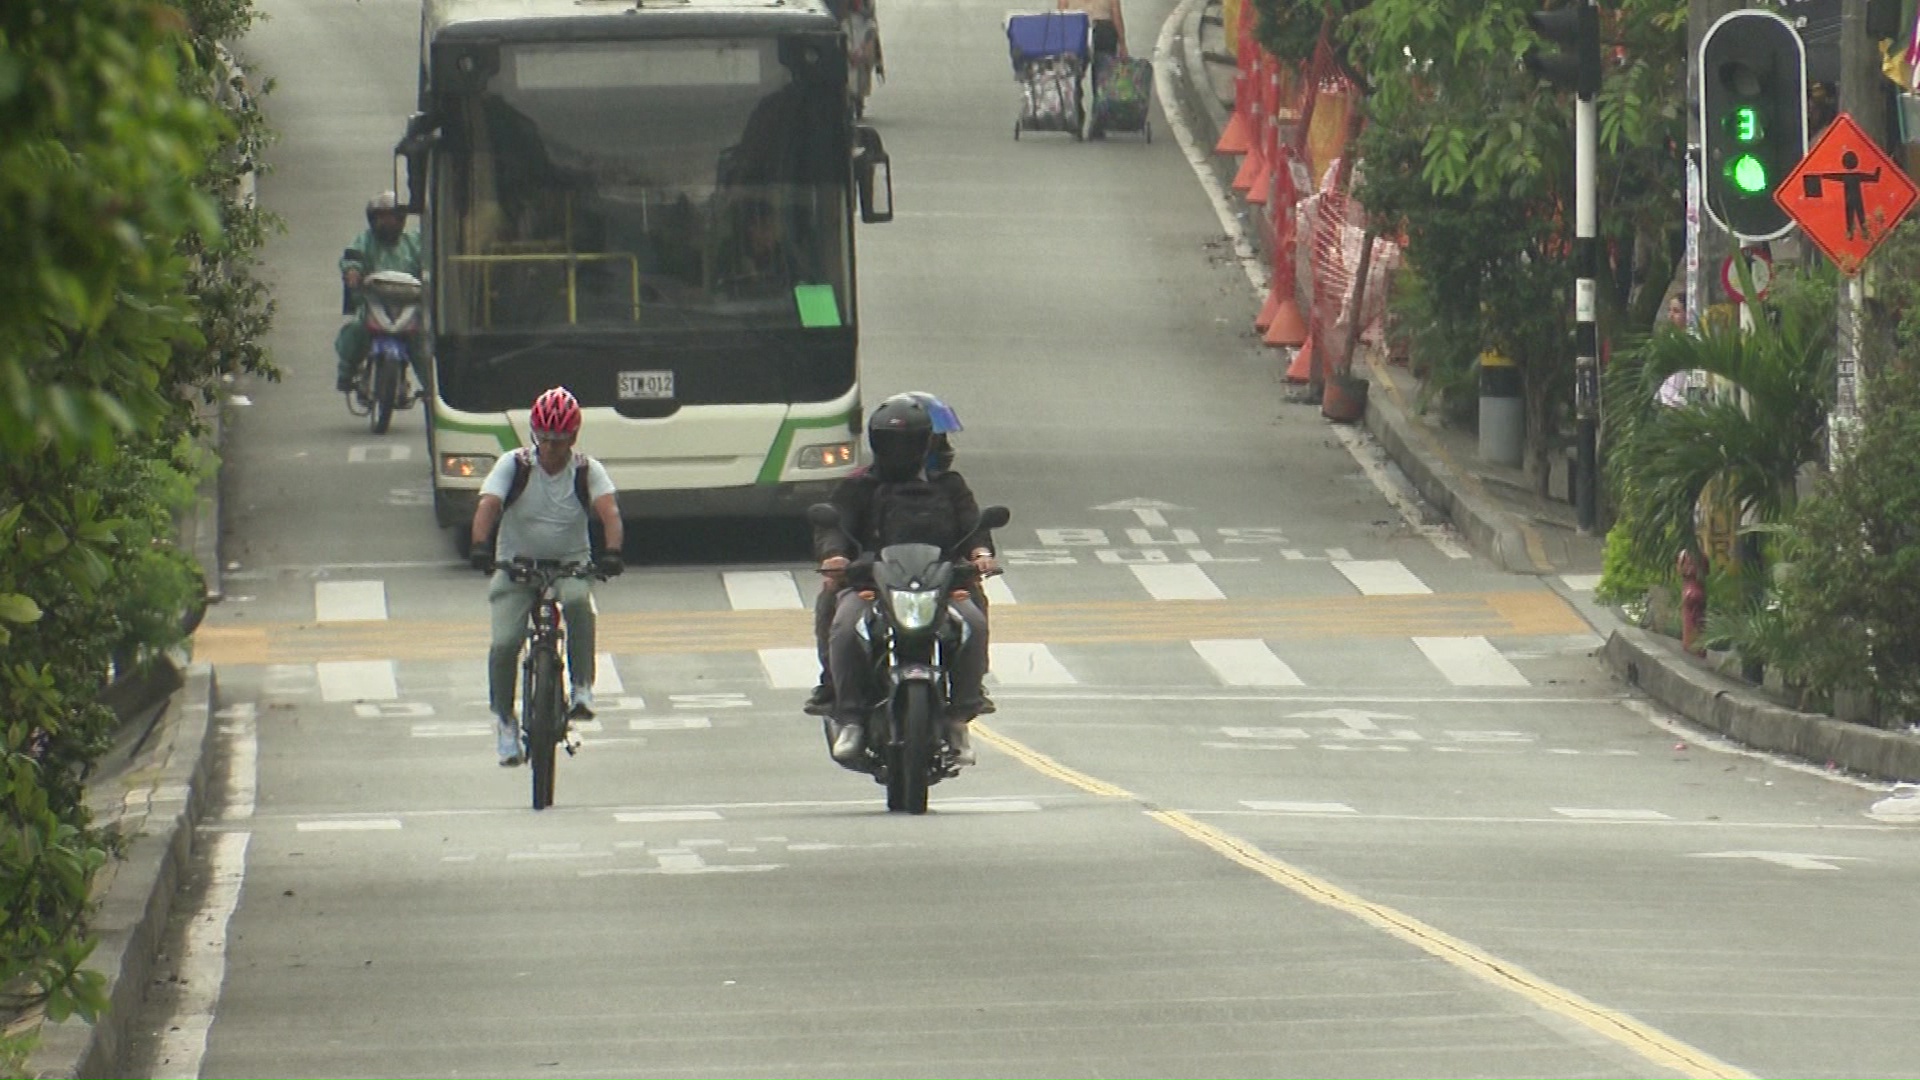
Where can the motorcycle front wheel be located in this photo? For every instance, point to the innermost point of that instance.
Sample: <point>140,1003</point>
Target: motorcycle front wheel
<point>912,753</point>
<point>386,389</point>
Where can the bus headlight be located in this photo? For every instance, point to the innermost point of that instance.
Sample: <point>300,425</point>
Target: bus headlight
<point>466,466</point>
<point>913,610</point>
<point>826,456</point>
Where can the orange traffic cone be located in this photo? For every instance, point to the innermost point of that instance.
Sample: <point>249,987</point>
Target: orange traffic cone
<point>1287,327</point>
<point>1254,164</point>
<point>1236,139</point>
<point>1301,370</point>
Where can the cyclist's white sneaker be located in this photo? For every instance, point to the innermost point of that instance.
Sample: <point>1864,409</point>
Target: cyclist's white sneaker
<point>582,704</point>
<point>507,740</point>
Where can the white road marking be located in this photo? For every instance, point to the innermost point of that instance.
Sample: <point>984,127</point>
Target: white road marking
<point>998,593</point>
<point>1579,813</point>
<point>379,453</point>
<point>1581,582</point>
<point>761,590</point>
<point>238,722</point>
<point>641,817</point>
<point>606,677</point>
<point>668,723</point>
<point>1274,807</point>
<point>349,825</point>
<point>791,669</point>
<point>452,729</point>
<point>1245,662</point>
<point>1177,581</point>
<point>1792,860</point>
<point>1273,734</point>
<point>1470,661</point>
<point>1381,577</point>
<point>357,680</point>
<point>1024,664</point>
<point>349,601</point>
<point>984,806</point>
<point>202,963</point>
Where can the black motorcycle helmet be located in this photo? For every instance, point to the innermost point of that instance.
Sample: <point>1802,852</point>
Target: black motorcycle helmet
<point>899,432</point>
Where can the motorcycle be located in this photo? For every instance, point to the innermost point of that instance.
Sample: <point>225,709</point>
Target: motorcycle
<point>391,306</point>
<point>910,633</point>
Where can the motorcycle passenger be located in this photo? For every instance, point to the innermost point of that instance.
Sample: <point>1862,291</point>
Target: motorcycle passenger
<point>939,460</point>
<point>385,245</point>
<point>896,501</point>
<point>545,521</point>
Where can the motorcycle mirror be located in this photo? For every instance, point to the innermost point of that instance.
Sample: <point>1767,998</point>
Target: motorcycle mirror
<point>823,516</point>
<point>995,517</point>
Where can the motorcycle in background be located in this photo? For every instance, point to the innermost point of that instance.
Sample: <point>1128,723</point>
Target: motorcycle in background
<point>911,631</point>
<point>391,306</point>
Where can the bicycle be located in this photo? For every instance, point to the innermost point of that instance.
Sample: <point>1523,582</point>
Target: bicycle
<point>543,712</point>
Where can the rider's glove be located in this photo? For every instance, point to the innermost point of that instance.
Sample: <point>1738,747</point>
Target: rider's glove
<point>481,560</point>
<point>610,564</point>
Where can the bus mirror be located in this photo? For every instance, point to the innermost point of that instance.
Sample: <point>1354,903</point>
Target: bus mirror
<point>873,172</point>
<point>410,159</point>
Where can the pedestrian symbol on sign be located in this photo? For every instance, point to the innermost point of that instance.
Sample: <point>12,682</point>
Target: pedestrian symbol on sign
<point>1851,181</point>
<point>1847,194</point>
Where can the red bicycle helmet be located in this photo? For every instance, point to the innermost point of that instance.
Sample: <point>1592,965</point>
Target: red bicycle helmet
<point>555,412</point>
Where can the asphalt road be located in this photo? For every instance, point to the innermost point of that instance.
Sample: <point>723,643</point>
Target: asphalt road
<point>1280,784</point>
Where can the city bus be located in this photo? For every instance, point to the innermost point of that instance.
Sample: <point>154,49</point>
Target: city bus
<point>651,203</point>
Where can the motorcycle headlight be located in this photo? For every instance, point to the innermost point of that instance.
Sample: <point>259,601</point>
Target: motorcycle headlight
<point>913,610</point>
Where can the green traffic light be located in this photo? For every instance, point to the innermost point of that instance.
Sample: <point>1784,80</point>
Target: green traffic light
<point>1748,174</point>
<point>1744,124</point>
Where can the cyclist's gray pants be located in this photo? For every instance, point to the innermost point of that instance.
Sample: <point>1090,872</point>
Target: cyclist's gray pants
<point>511,603</point>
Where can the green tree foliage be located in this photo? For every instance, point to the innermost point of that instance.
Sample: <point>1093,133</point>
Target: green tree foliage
<point>1751,444</point>
<point>1851,583</point>
<point>1472,158</point>
<point>129,295</point>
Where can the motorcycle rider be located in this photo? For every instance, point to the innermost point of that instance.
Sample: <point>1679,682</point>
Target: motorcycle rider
<point>939,460</point>
<point>896,501</point>
<point>385,245</point>
<point>545,521</point>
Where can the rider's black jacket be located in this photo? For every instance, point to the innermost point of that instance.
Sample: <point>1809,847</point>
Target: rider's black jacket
<point>860,499</point>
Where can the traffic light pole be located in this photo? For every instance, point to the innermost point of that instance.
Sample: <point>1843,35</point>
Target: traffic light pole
<point>1586,261</point>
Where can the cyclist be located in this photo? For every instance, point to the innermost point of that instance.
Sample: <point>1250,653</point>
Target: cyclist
<point>540,500</point>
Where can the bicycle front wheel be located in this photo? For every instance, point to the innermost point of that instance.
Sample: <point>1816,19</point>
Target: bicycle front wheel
<point>546,723</point>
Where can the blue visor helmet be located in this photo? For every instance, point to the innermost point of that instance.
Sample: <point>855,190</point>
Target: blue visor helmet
<point>945,420</point>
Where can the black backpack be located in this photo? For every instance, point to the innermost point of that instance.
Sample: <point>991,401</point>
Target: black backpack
<point>915,512</point>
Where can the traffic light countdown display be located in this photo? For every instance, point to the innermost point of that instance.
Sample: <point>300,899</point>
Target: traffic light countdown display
<point>1753,119</point>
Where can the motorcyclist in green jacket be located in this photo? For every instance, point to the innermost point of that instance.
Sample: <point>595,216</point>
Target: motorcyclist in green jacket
<point>385,245</point>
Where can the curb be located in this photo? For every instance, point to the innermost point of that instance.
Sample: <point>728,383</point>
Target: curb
<point>1655,665</point>
<point>161,801</point>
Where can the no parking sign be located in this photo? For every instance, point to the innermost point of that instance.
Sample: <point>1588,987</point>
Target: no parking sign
<point>1759,267</point>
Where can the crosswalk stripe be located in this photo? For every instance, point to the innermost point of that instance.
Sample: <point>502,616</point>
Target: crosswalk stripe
<point>1177,581</point>
<point>357,680</point>
<point>1026,664</point>
<point>998,592</point>
<point>1245,662</point>
<point>606,678</point>
<point>349,601</point>
<point>791,669</point>
<point>1470,661</point>
<point>1381,577</point>
<point>761,590</point>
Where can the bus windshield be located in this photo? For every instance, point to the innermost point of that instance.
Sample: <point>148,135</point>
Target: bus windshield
<point>657,186</point>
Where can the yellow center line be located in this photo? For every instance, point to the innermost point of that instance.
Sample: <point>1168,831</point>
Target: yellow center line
<point>1651,1044</point>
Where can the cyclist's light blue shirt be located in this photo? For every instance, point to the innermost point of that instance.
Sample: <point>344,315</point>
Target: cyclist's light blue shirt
<point>546,521</point>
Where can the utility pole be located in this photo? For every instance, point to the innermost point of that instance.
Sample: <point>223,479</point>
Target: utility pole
<point>1577,67</point>
<point>1861,96</point>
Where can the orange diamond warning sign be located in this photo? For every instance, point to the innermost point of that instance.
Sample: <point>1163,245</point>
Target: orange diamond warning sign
<point>1847,194</point>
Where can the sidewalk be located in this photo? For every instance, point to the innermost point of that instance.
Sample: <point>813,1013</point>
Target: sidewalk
<point>1497,512</point>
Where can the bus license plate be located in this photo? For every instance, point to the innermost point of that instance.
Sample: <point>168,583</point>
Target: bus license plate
<point>646,386</point>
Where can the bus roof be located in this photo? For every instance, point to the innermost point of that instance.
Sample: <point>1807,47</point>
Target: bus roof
<point>589,19</point>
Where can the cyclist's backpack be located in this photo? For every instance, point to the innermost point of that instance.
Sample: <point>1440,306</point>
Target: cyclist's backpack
<point>915,512</point>
<point>523,470</point>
